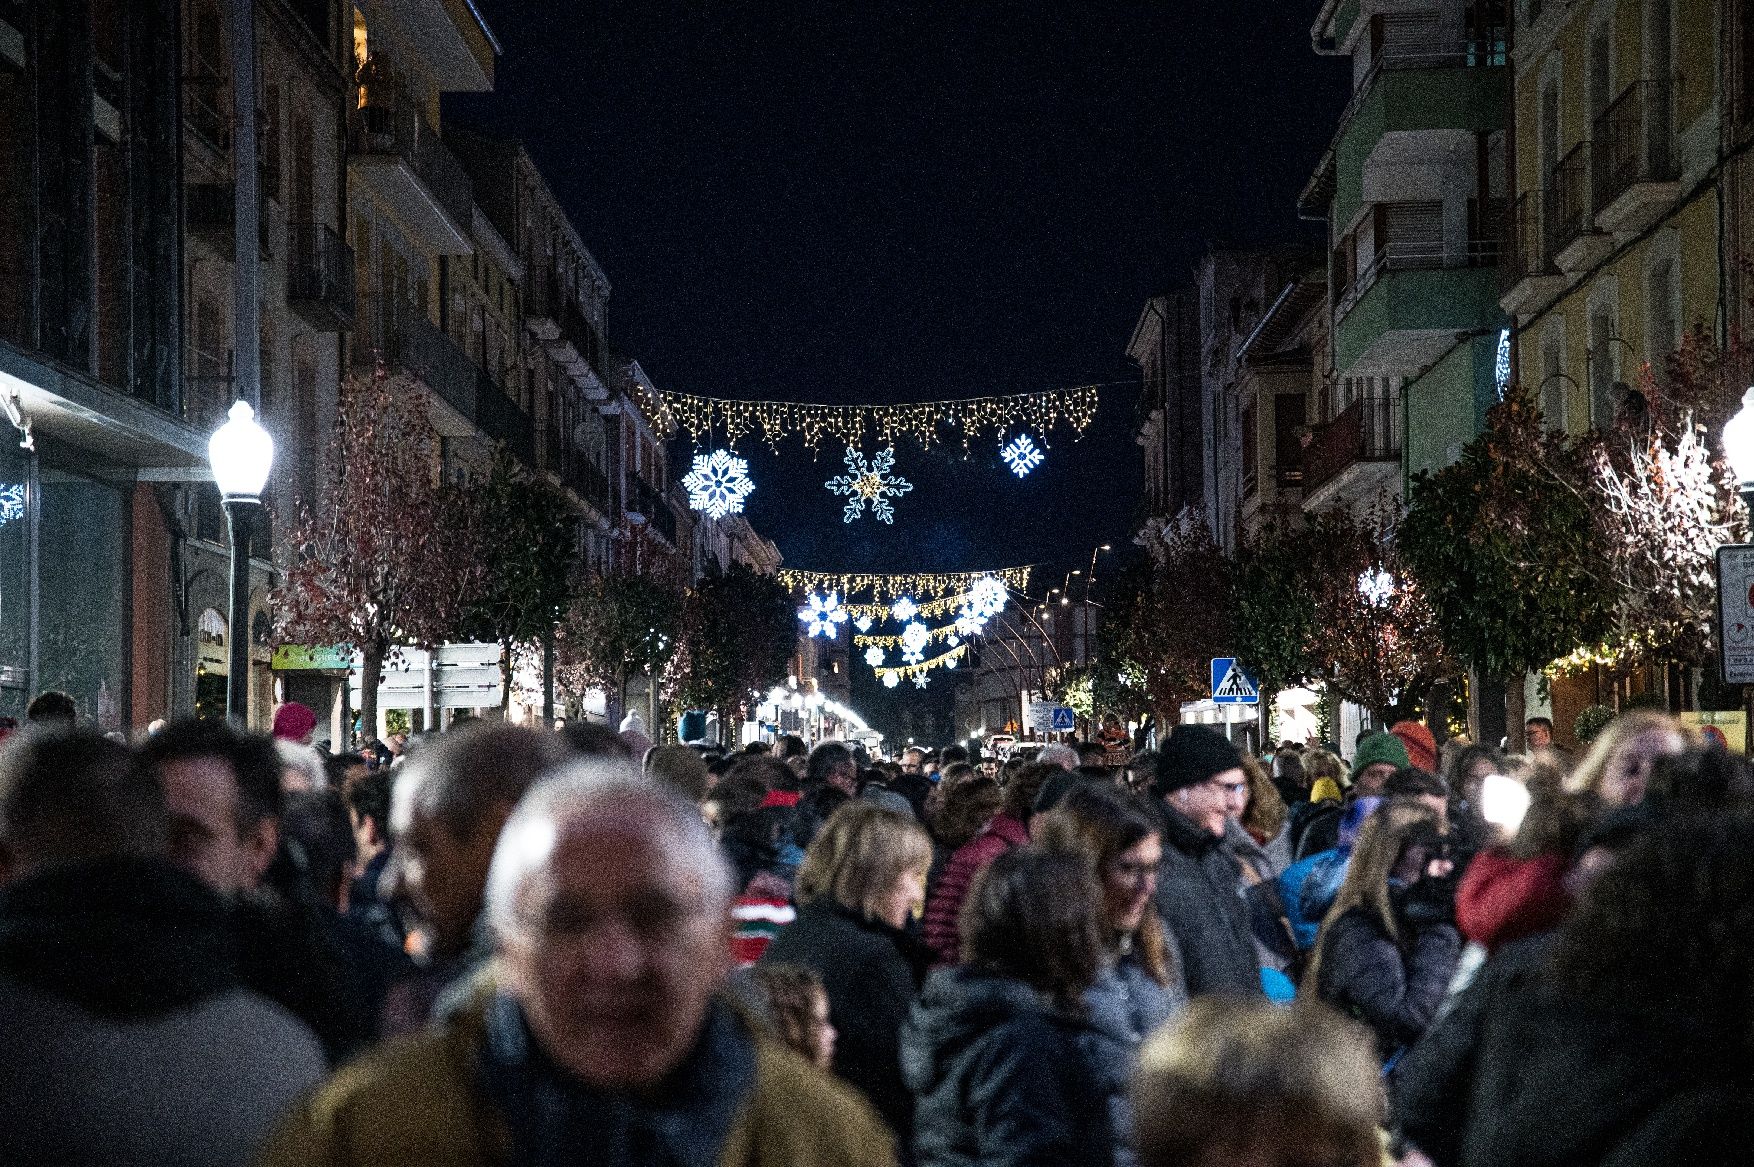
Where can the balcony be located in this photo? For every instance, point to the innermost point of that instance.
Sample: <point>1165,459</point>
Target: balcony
<point>392,149</point>
<point>319,276</point>
<point>542,300</point>
<point>413,344</point>
<point>578,349</point>
<point>648,505</point>
<point>1572,238</point>
<point>1636,174</point>
<point>1526,275</point>
<point>207,110</point>
<point>501,419</point>
<point>588,482</point>
<point>1355,455</point>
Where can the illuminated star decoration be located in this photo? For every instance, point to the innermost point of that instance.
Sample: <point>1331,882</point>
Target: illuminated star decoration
<point>1022,455</point>
<point>919,680</point>
<point>11,502</point>
<point>873,656</point>
<point>905,609</point>
<point>718,484</point>
<point>870,482</point>
<point>822,614</point>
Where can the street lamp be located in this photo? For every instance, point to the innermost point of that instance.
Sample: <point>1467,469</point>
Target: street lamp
<point>1739,448</point>
<point>241,454</point>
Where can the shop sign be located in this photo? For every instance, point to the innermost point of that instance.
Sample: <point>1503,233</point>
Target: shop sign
<point>299,657</point>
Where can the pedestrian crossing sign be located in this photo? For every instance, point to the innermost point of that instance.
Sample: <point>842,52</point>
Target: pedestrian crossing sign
<point>1232,686</point>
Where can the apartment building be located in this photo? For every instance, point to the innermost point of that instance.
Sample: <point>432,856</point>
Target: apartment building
<point>1166,347</point>
<point>1412,188</point>
<point>1620,124</point>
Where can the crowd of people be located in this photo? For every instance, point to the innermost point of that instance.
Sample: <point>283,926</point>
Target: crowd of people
<point>504,945</point>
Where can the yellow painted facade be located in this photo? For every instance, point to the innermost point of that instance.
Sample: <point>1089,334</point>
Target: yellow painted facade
<point>1627,287</point>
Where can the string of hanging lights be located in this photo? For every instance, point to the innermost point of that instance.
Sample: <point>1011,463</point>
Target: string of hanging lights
<point>855,425</point>
<point>886,589</point>
<point>916,672</point>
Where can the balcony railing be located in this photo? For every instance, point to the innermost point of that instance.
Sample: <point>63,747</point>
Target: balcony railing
<point>391,124</point>
<point>1368,430</point>
<point>415,345</point>
<point>588,482</point>
<point>501,419</point>
<point>1479,249</point>
<point>319,276</point>
<point>648,501</point>
<point>1633,141</point>
<point>1569,211</point>
<point>1524,254</point>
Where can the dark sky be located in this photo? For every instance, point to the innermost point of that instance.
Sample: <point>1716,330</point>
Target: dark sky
<point>906,202</point>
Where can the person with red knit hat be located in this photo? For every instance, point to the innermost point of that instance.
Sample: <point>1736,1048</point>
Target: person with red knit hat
<point>1421,746</point>
<point>294,723</point>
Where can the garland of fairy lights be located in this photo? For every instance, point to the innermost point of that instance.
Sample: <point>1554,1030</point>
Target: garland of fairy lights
<point>945,587</point>
<point>854,425</point>
<point>891,676</point>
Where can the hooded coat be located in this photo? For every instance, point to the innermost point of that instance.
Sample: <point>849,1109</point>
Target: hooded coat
<point>1002,1077</point>
<point>125,1037</point>
<point>1393,991</point>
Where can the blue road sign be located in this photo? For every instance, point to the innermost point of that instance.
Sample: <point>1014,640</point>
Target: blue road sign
<point>1231,685</point>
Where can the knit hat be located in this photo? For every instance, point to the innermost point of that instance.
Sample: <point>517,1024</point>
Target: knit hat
<point>1192,755</point>
<point>294,722</point>
<point>1421,746</point>
<point>1378,747</point>
<point>1325,790</point>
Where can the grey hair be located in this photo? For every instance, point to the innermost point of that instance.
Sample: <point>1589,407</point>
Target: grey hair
<point>1058,754</point>
<point>591,787</point>
<point>468,774</point>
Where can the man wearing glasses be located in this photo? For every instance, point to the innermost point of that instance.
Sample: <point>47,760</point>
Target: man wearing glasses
<point>1199,783</point>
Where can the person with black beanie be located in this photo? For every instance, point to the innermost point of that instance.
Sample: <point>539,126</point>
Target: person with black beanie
<point>1198,784</point>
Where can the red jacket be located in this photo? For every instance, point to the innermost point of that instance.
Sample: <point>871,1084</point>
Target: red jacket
<point>1503,898</point>
<point>1001,833</point>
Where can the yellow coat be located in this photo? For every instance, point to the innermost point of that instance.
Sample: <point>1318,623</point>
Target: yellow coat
<point>413,1101</point>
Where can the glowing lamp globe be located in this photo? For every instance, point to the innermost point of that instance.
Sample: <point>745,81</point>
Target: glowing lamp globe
<point>1739,442</point>
<point>241,454</point>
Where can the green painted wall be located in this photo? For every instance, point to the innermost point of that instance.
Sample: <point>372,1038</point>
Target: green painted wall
<point>1455,298</point>
<point>1415,99</point>
<point>1447,404</point>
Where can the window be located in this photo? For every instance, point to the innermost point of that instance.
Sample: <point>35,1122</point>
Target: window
<point>1604,366</point>
<point>1660,315</point>
<point>1553,380</point>
<point>1600,69</point>
<point>1548,143</point>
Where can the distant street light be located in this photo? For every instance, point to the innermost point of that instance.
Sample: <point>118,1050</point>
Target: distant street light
<point>241,453</point>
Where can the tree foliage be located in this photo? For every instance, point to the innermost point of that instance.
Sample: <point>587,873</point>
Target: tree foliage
<point>387,555</point>
<point>739,632</point>
<point>528,546</point>
<point>1503,542</point>
<point>616,627</point>
<point>1169,617</point>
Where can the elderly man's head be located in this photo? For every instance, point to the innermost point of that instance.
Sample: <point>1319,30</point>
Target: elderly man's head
<point>610,903</point>
<point>450,801</point>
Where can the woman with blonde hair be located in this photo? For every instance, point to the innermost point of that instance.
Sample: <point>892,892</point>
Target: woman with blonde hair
<point>1389,944</point>
<point>1234,1081</point>
<point>862,880</point>
<point>1617,769</point>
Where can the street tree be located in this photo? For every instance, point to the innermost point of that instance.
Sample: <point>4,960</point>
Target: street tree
<point>617,626</point>
<point>387,554</point>
<point>739,633</point>
<point>1170,616</point>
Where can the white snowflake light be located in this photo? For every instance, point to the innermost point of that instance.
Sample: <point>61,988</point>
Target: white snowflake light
<point>891,680</point>
<point>870,482</point>
<point>914,639</point>
<point>920,680</point>
<point>718,484</point>
<point>953,640</point>
<point>968,624</point>
<point>863,623</point>
<point>987,598</point>
<point>1022,455</point>
<point>904,609</point>
<point>822,614</point>
<point>873,656</point>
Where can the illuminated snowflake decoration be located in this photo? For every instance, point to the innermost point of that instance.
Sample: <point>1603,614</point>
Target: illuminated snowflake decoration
<point>1022,455</point>
<point>987,599</point>
<point>953,640</point>
<point>823,614</point>
<point>863,623</point>
<point>968,624</point>
<point>891,680</point>
<point>870,482</point>
<point>718,484</point>
<point>920,680</point>
<point>873,656</point>
<point>11,502</point>
<point>914,639</point>
<point>904,609</point>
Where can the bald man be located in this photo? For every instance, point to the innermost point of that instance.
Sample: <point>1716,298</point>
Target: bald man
<point>605,1039</point>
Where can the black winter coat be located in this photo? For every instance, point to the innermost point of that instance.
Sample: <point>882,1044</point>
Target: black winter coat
<point>1001,1078</point>
<point>1366,975</point>
<point>871,973</point>
<point>1517,1075</point>
<point>1197,898</point>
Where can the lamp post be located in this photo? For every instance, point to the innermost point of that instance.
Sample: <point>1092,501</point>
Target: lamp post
<point>241,454</point>
<point>1733,562</point>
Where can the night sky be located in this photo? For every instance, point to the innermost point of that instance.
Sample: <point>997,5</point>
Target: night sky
<point>909,202</point>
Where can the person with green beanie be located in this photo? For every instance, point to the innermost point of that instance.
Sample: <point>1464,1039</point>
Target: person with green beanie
<point>1379,756</point>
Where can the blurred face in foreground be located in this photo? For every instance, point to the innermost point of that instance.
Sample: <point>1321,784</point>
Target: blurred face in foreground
<point>618,946</point>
